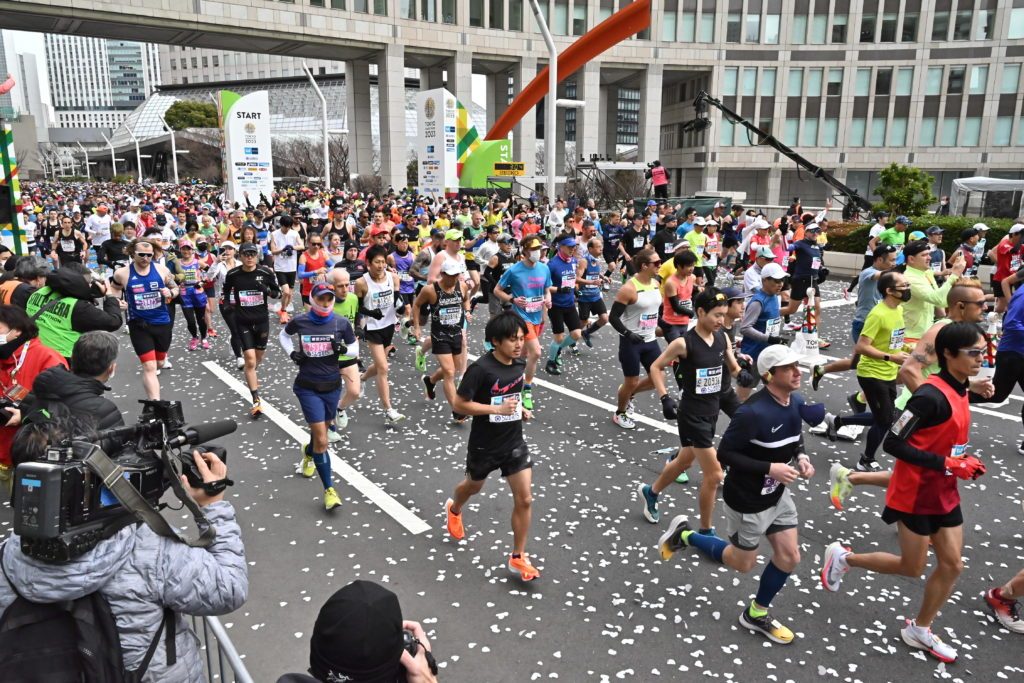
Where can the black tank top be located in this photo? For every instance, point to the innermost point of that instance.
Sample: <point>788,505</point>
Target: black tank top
<point>447,315</point>
<point>701,375</point>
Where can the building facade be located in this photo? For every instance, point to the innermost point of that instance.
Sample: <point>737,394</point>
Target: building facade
<point>187,65</point>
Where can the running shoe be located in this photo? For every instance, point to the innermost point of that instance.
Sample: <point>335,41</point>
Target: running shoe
<point>341,420</point>
<point>868,466</point>
<point>212,333</point>
<point>411,339</point>
<point>831,428</point>
<point>392,351</point>
<point>521,565</point>
<point>455,528</point>
<point>1005,611</point>
<point>924,639</point>
<point>429,388</point>
<point>282,317</point>
<point>824,344</point>
<point>551,367</point>
<point>623,420</point>
<point>1020,448</point>
<point>458,419</point>
<point>586,340</point>
<point>193,344</point>
<point>256,410</point>
<point>574,349</point>
<point>707,532</point>
<point>239,363</point>
<point>683,478</point>
<point>650,499</point>
<point>834,566</point>
<point>206,345</point>
<point>672,541</point>
<point>528,398</point>
<point>307,467</point>
<point>421,359</point>
<point>856,405</point>
<point>167,364</point>
<point>393,416</point>
<point>606,287</point>
<point>817,372</point>
<point>332,435</point>
<point>793,326</point>
<point>767,626</point>
<point>5,472</point>
<point>331,498</point>
<point>839,486</point>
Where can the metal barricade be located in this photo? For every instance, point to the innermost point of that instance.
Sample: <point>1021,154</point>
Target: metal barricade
<point>221,658</point>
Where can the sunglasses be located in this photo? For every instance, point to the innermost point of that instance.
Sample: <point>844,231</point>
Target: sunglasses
<point>316,244</point>
<point>973,352</point>
<point>144,255</point>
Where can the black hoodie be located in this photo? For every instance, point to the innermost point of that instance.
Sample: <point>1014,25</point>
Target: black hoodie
<point>85,316</point>
<point>82,396</point>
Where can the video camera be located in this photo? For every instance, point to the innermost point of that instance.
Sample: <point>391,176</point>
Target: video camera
<point>72,497</point>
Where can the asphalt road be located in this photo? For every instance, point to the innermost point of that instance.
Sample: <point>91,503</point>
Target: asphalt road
<point>606,607</point>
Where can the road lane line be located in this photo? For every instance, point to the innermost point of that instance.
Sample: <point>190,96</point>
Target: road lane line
<point>352,476</point>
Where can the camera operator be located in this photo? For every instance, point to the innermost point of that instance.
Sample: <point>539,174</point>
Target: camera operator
<point>64,308</point>
<point>29,274</point>
<point>22,358</point>
<point>360,636</point>
<point>658,175</point>
<point>138,572</point>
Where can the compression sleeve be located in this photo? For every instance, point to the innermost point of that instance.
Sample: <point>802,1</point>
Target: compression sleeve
<point>615,318</point>
<point>286,341</point>
<point>926,408</point>
<point>678,307</point>
<point>750,315</point>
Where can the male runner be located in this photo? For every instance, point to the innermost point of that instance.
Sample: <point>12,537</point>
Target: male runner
<point>147,287</point>
<point>1009,256</point>
<point>284,243</point>
<point>563,314</point>
<point>448,303</point>
<point>251,284</point>
<point>401,261</point>
<point>380,304</point>
<point>929,442</point>
<point>590,301</point>
<point>678,292</point>
<point>346,305</point>
<point>764,450</point>
<point>925,295</point>
<point>491,392</point>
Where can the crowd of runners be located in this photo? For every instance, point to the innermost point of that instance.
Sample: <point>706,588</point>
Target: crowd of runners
<point>716,300</point>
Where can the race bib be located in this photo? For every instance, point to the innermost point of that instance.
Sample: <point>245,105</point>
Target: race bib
<point>250,297</point>
<point>713,248</point>
<point>191,276</point>
<point>709,380</point>
<point>450,315</point>
<point>534,304</point>
<point>937,267</point>
<point>1015,262</point>
<point>816,263</point>
<point>148,301</point>
<point>773,327</point>
<point>405,277</point>
<point>958,450</point>
<point>515,416</point>
<point>67,245</point>
<point>638,242</point>
<point>670,248</point>
<point>699,249</point>
<point>896,339</point>
<point>769,485</point>
<point>648,321</point>
<point>381,300</point>
<point>316,345</point>
<point>569,280</point>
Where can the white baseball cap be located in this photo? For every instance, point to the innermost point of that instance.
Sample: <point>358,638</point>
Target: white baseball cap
<point>773,271</point>
<point>774,356</point>
<point>699,220</point>
<point>452,267</point>
<point>981,227</point>
<point>1019,227</point>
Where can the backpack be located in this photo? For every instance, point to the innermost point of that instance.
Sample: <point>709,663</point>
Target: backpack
<point>74,641</point>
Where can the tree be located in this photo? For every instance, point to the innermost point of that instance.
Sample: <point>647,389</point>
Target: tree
<point>904,190</point>
<point>187,114</point>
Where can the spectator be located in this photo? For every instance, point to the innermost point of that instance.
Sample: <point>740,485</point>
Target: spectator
<point>64,308</point>
<point>29,275</point>
<point>358,636</point>
<point>138,572</point>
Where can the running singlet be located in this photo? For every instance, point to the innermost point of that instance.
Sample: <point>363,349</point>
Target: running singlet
<point>701,375</point>
<point>531,284</point>
<point>448,314</point>
<point>190,274</point>
<point>591,293</point>
<point>1012,340</point>
<point>684,292</point>
<point>380,296</point>
<point>313,264</point>
<point>563,276</point>
<point>145,301</point>
<point>403,264</point>
<point>642,316</point>
<point>768,321</point>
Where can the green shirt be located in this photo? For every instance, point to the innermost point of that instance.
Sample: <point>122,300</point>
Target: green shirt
<point>698,241</point>
<point>893,236</point>
<point>925,295</point>
<point>348,308</point>
<point>885,327</point>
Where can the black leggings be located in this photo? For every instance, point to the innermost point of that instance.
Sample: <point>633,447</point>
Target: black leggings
<point>194,317</point>
<point>229,320</point>
<point>881,398</point>
<point>1009,372</point>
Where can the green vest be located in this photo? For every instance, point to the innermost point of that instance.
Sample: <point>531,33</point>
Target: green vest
<point>55,323</point>
<point>349,308</point>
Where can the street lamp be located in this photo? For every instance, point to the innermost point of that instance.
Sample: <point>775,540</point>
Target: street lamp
<point>174,148</point>
<point>138,153</point>
<point>113,161</point>
<point>550,111</point>
<point>323,123</point>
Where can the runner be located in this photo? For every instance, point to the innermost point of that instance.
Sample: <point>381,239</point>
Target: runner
<point>635,317</point>
<point>192,273</point>
<point>563,314</point>
<point>491,392</point>
<point>763,438</point>
<point>1009,359</point>
<point>678,292</point>
<point>346,305</point>
<point>323,336</point>
<point>313,266</point>
<point>762,325</point>
<point>69,245</point>
<point>380,305</point>
<point>495,268</point>
<point>284,244</point>
<point>448,303</point>
<point>1009,257</point>
<point>251,284</point>
<point>633,241</point>
<point>401,261</point>
<point>929,442</point>
<point>226,262</point>
<point>147,287</point>
<point>1002,600</point>
<point>925,296</point>
<point>590,302</point>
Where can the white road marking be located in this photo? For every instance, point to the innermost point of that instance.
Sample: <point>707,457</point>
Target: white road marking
<point>352,476</point>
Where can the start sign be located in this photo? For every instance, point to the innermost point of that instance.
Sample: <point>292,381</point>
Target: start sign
<point>509,168</point>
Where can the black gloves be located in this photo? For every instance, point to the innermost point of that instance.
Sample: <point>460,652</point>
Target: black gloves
<point>775,340</point>
<point>745,378</point>
<point>668,407</point>
<point>297,357</point>
<point>339,346</point>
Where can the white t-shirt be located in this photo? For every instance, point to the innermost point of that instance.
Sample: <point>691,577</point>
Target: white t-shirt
<point>751,280</point>
<point>876,230</point>
<point>98,228</point>
<point>556,219</point>
<point>280,240</point>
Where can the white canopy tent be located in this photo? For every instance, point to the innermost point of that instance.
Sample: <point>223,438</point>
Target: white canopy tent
<point>969,194</point>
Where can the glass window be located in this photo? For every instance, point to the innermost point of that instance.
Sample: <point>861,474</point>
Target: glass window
<point>926,137</point>
<point>790,130</point>
<point>340,4</point>
<point>753,28</point>
<point>515,15</point>
<point>947,133</point>
<point>810,133</point>
<point>867,28</point>
<point>909,34</point>
<point>1011,76</point>
<point>771,29</point>
<point>428,10</point>
<point>933,82</point>
<point>814,82</point>
<point>560,22</point>
<point>829,132</point>
<point>707,27</point>
<point>862,86</point>
<point>476,13</point>
<point>729,79</point>
<point>962,25</point>
<point>888,33</point>
<point>904,80</point>
<point>898,133</point>
<point>1016,30</point>
<point>497,14</point>
<point>877,138</point>
<point>668,21</point>
<point>749,81</point>
<point>687,27</point>
<point>955,85</point>
<point>940,26</point>
<point>732,28</point>
<point>604,10</point>
<point>972,132</point>
<point>1003,129</point>
<point>407,9</point>
<point>1020,135</point>
<point>449,13</point>
<point>983,27</point>
<point>579,18</point>
<point>835,82</point>
<point>796,82</point>
<point>839,28</point>
<point>726,133</point>
<point>979,77</point>
<point>819,29</point>
<point>316,3</point>
<point>174,65</point>
<point>857,130</point>
<point>883,82</point>
<point>767,83</point>
<point>798,32</point>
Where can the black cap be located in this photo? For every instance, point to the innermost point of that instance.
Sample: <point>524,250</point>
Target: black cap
<point>358,636</point>
<point>248,247</point>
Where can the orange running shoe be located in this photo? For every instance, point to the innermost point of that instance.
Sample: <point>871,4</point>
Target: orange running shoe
<point>256,410</point>
<point>455,528</point>
<point>527,572</point>
<point>212,333</point>
<point>282,316</point>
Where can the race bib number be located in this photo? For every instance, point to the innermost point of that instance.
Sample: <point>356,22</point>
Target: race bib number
<point>958,450</point>
<point>405,277</point>
<point>638,242</point>
<point>769,485</point>
<point>534,304</point>
<point>1015,262</point>
<point>381,300</point>
<point>500,400</point>
<point>699,249</point>
<point>896,339</point>
<point>569,280</point>
<point>67,245</point>
<point>937,267</point>
<point>250,297</point>
<point>713,248</point>
<point>816,263</point>
<point>450,315</point>
<point>773,327</point>
<point>316,345</point>
<point>670,248</point>
<point>648,321</point>
<point>191,276</point>
<point>148,301</point>
<point>709,380</point>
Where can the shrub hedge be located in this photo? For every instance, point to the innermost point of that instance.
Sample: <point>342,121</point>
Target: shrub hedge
<point>852,238</point>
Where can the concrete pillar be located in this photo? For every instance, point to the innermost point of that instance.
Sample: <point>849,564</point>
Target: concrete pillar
<point>524,134</point>
<point>588,119</point>
<point>608,114</point>
<point>497,97</point>
<point>431,77</point>
<point>357,106</point>
<point>774,194</point>
<point>391,89</point>
<point>709,177</point>
<point>650,114</point>
<point>460,76</point>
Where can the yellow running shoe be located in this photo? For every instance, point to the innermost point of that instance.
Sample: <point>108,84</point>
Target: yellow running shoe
<point>331,498</point>
<point>307,467</point>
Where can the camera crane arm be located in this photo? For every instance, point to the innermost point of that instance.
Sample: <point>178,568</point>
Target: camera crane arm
<point>764,138</point>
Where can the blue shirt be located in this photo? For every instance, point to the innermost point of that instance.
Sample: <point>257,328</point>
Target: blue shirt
<point>563,274</point>
<point>683,229</point>
<point>317,344</point>
<point>768,322</point>
<point>867,293</point>
<point>1013,325</point>
<point>530,283</point>
<point>591,293</point>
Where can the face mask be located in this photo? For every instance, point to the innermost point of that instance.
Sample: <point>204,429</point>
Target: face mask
<point>533,255</point>
<point>905,296</point>
<point>322,311</point>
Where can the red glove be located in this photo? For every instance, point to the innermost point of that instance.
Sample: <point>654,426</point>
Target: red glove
<point>967,467</point>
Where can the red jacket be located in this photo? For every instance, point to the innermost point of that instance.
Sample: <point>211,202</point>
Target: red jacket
<point>37,358</point>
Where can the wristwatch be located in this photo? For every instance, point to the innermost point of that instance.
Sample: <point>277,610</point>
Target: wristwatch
<point>887,357</point>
